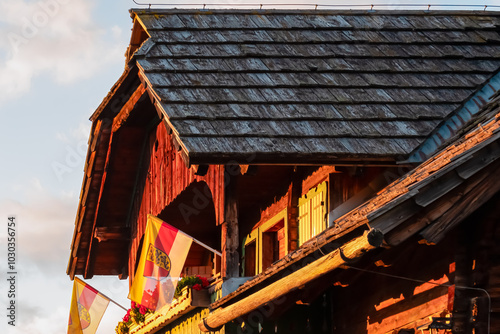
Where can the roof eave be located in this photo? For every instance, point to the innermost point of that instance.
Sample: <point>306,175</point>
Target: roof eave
<point>95,164</point>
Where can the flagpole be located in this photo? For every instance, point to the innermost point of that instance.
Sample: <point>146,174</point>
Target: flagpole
<point>102,294</point>
<point>202,244</point>
<point>111,300</point>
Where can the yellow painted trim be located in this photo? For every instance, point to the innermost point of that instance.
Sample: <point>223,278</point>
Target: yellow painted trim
<point>282,215</point>
<point>256,235</point>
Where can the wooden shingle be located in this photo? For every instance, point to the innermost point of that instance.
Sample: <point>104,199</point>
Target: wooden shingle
<point>316,85</point>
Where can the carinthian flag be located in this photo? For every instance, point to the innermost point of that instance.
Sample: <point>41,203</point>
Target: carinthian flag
<point>164,251</point>
<point>87,308</point>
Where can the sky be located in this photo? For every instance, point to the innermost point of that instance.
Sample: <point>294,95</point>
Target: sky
<point>58,60</point>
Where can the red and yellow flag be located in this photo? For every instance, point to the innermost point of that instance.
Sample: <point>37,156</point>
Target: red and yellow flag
<point>87,308</point>
<point>164,251</point>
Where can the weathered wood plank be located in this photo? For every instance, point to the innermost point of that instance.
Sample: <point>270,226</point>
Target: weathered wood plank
<point>230,234</point>
<point>433,191</point>
<point>471,201</point>
<point>424,310</point>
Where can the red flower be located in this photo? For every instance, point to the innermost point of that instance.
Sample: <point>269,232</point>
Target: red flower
<point>204,281</point>
<point>133,304</point>
<point>126,318</point>
<point>197,287</point>
<point>143,310</point>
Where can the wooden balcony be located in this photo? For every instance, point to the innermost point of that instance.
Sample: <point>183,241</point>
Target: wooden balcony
<point>188,301</point>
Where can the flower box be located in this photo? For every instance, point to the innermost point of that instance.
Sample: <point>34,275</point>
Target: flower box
<point>188,300</point>
<point>199,298</point>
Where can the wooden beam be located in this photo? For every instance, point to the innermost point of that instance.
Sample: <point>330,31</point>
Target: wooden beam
<point>89,164</point>
<point>111,233</point>
<point>294,193</point>
<point>422,308</point>
<point>89,265</point>
<point>127,108</point>
<point>97,141</point>
<point>230,233</point>
<point>72,267</point>
<point>351,250</point>
<point>74,253</point>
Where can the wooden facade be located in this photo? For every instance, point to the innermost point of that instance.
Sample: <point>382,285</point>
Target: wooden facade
<point>164,179</point>
<point>284,140</point>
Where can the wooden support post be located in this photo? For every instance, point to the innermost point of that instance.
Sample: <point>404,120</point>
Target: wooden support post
<point>265,296</point>
<point>463,275</point>
<point>230,234</point>
<point>488,215</point>
<point>294,192</point>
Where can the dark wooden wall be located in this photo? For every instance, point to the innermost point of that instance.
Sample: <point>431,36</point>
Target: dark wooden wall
<point>164,176</point>
<point>483,232</point>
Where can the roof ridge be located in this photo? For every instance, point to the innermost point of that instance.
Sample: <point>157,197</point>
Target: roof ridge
<point>313,11</point>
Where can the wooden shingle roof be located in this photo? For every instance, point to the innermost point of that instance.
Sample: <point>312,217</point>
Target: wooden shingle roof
<point>312,86</point>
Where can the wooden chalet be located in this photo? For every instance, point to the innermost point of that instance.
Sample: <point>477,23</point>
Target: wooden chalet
<point>343,162</point>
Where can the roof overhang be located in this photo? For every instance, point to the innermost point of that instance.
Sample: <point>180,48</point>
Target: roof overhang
<point>102,231</point>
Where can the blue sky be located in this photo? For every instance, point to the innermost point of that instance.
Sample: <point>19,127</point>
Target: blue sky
<point>58,60</point>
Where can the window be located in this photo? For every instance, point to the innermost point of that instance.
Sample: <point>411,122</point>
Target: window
<point>266,244</point>
<point>250,258</point>
<point>273,244</point>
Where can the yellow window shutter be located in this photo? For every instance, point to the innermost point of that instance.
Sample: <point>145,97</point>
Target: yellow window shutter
<point>312,210</point>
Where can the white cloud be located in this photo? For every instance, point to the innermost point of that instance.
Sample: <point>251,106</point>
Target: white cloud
<point>68,195</point>
<point>62,137</point>
<point>75,146</point>
<point>63,50</point>
<point>75,135</point>
<point>35,182</point>
<point>42,220</point>
<point>81,133</point>
<point>117,31</point>
<point>44,229</point>
<point>52,320</point>
<point>54,37</point>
